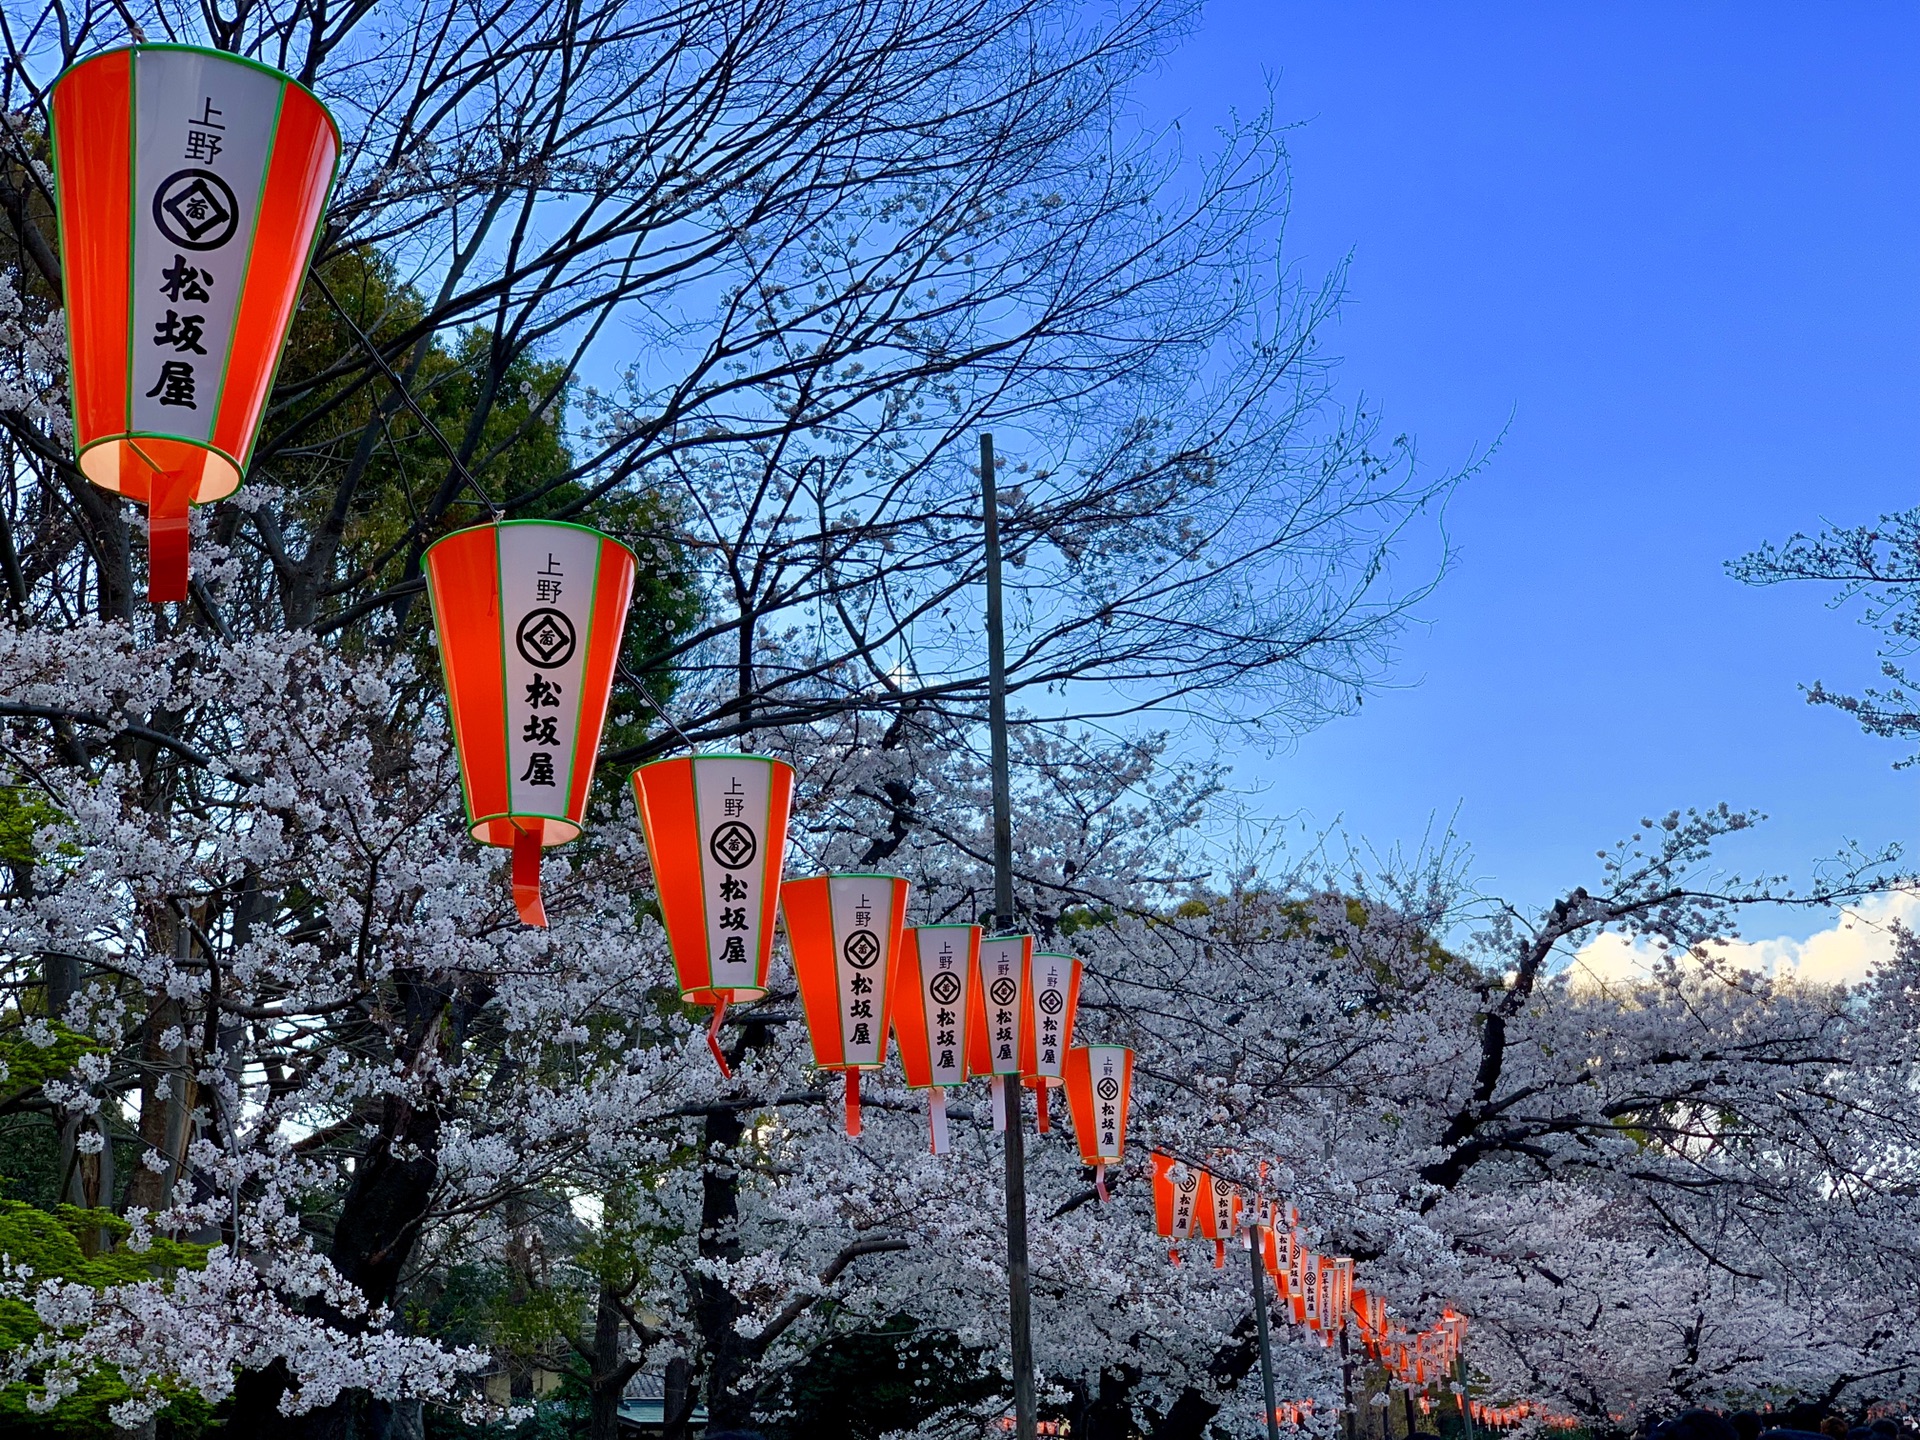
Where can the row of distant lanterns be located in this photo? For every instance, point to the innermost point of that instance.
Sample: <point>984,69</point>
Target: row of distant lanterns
<point>191,187</point>
<point>1316,1292</point>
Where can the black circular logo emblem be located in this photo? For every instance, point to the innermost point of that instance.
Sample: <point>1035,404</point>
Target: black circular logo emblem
<point>944,987</point>
<point>734,845</point>
<point>1188,1183</point>
<point>195,209</point>
<point>545,638</point>
<point>1109,1088</point>
<point>1003,991</point>
<point>862,949</point>
<point>1052,1002</point>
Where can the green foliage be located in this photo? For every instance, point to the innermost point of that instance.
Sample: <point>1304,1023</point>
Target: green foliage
<point>53,1244</point>
<point>22,812</point>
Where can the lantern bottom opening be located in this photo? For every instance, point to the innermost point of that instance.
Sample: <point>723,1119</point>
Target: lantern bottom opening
<point>741,995</point>
<point>502,830</point>
<point>126,465</point>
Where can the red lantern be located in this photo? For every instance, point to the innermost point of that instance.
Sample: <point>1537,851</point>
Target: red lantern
<point>1176,1186</point>
<point>1221,1220</point>
<point>996,1024</point>
<point>716,828</point>
<point>528,615</point>
<point>1055,986</point>
<point>845,932</point>
<point>931,999</point>
<point>1099,1083</point>
<point>190,186</point>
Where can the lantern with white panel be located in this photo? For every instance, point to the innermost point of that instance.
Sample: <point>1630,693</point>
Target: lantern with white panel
<point>1099,1084</point>
<point>998,1022</point>
<point>1176,1188</point>
<point>845,933</point>
<point>716,828</point>
<point>1054,988</point>
<point>528,616</point>
<point>932,999</point>
<point>190,186</point>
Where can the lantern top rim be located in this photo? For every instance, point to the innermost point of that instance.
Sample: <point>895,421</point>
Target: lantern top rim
<point>706,754</point>
<point>833,874</point>
<point>530,520</point>
<point>139,46</point>
<point>1044,954</point>
<point>944,925</point>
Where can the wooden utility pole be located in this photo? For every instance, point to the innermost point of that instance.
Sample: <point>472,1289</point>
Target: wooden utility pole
<point>1019,1305</point>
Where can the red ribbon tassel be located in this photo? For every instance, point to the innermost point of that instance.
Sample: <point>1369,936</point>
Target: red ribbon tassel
<point>1042,1126</point>
<point>713,1038</point>
<point>853,1102</point>
<point>1219,1254</point>
<point>1100,1183</point>
<point>167,496</point>
<point>937,1118</point>
<point>526,876</point>
<point>1173,1257</point>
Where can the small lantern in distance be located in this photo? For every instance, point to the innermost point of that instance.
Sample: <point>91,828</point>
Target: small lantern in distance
<point>930,1008</point>
<point>716,828</point>
<point>190,186</point>
<point>1054,983</point>
<point>998,1022</point>
<point>845,933</point>
<point>1099,1084</point>
<point>528,615</point>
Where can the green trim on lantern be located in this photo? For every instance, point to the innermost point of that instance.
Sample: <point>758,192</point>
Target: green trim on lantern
<point>453,713</point>
<point>555,524</point>
<point>246,276</point>
<point>133,223</point>
<point>506,704</point>
<point>306,269</point>
<point>586,659</point>
<point>209,51</point>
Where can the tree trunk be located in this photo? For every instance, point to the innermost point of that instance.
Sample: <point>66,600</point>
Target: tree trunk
<point>677,1408</point>
<point>608,1381</point>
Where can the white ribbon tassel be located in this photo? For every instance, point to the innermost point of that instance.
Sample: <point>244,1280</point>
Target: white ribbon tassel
<point>998,1085</point>
<point>937,1114</point>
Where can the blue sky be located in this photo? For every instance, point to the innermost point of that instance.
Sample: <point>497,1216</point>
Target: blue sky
<point>1673,252</point>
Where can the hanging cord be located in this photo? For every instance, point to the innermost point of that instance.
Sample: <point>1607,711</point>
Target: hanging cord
<point>406,396</point>
<point>645,694</point>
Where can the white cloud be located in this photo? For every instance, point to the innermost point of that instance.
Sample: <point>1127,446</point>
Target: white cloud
<point>1859,937</point>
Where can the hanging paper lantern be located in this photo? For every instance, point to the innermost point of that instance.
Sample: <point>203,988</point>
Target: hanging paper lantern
<point>1222,1222</point>
<point>1055,987</point>
<point>528,615</point>
<point>931,1002</point>
<point>845,932</point>
<point>716,828</point>
<point>1099,1083</point>
<point>1176,1185</point>
<point>190,186</point>
<point>997,1019</point>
